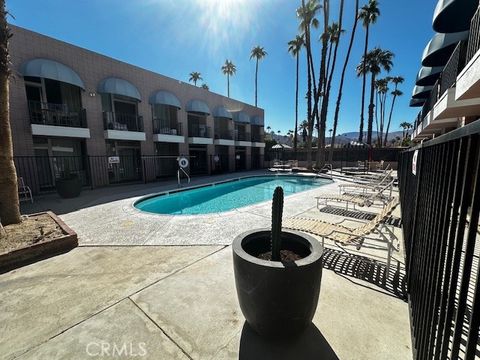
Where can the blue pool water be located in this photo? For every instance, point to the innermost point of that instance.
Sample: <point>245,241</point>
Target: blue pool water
<point>226,196</point>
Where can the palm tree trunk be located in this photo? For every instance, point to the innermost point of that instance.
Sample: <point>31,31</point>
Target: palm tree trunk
<point>9,205</point>
<point>228,85</point>
<point>329,59</point>
<point>364,86</point>
<point>390,117</point>
<point>296,110</point>
<point>377,96</point>
<point>256,77</point>
<point>322,119</point>
<point>371,108</point>
<point>342,80</point>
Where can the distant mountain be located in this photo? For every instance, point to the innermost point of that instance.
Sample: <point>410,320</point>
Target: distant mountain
<point>354,135</point>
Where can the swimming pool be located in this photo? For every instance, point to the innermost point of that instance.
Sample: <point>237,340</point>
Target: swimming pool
<point>226,196</point>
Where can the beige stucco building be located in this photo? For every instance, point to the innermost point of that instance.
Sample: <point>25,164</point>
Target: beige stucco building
<point>74,110</point>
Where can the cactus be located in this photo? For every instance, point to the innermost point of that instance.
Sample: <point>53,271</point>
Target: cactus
<point>277,210</point>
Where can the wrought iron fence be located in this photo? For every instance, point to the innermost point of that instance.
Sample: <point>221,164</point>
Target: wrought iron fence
<point>455,65</point>
<point>123,122</point>
<point>43,113</point>
<point>440,200</point>
<point>166,127</point>
<point>474,36</point>
<point>242,136</point>
<point>223,134</point>
<point>199,130</point>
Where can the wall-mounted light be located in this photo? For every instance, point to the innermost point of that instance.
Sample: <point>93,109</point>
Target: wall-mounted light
<point>92,94</point>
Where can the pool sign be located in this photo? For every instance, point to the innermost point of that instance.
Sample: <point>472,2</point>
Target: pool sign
<point>216,158</point>
<point>114,159</point>
<point>183,162</point>
<point>414,162</point>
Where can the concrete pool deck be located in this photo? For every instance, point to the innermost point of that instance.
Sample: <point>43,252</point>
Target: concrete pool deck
<point>179,302</point>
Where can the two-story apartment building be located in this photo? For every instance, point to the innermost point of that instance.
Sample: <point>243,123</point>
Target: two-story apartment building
<point>448,84</point>
<point>77,111</point>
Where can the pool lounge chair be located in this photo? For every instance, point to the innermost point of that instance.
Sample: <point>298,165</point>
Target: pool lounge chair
<point>348,236</point>
<point>372,186</point>
<point>361,200</point>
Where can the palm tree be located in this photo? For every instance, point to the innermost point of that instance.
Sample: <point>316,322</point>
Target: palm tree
<point>229,69</point>
<point>9,206</point>
<point>294,48</point>
<point>396,80</point>
<point>376,60</point>
<point>205,86</point>
<point>258,53</point>
<point>381,85</point>
<point>335,32</point>
<point>368,14</point>
<point>306,14</point>
<point>405,126</point>
<point>342,80</point>
<point>194,77</point>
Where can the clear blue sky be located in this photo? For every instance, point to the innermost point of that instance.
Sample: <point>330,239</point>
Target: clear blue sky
<point>175,37</point>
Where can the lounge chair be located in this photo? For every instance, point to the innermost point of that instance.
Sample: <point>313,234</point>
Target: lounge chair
<point>361,200</point>
<point>373,186</point>
<point>24,191</point>
<point>348,236</point>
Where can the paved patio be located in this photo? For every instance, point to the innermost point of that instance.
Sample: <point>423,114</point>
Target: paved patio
<point>179,302</point>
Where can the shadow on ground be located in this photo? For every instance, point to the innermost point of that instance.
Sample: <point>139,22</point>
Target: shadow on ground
<point>366,269</point>
<point>310,345</point>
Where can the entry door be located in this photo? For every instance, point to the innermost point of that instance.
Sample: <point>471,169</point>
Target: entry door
<point>129,167</point>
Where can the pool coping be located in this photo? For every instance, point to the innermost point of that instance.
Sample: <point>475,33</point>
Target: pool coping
<point>174,191</point>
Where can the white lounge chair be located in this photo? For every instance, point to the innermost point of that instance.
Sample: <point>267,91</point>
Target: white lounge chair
<point>348,236</point>
<point>359,199</point>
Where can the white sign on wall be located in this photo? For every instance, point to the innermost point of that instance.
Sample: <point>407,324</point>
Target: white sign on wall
<point>414,162</point>
<point>114,159</point>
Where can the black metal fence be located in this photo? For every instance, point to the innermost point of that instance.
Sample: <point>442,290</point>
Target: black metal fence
<point>440,200</point>
<point>43,113</point>
<point>474,36</point>
<point>346,154</point>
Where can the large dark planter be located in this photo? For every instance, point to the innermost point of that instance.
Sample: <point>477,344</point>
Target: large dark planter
<point>278,300</point>
<point>69,187</point>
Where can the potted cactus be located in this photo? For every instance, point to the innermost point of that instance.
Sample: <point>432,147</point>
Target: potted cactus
<point>277,276</point>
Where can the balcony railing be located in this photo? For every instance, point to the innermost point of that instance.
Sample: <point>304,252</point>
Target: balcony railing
<point>474,37</point>
<point>198,130</point>
<point>455,65</point>
<point>242,136</point>
<point>162,126</point>
<point>223,134</point>
<point>257,137</point>
<point>43,113</point>
<point>122,122</point>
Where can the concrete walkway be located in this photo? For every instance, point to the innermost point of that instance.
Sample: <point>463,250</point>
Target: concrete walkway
<point>107,300</point>
<point>180,303</point>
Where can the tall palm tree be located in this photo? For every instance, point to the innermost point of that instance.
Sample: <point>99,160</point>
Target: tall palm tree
<point>294,48</point>
<point>376,60</point>
<point>194,77</point>
<point>342,80</point>
<point>369,14</point>
<point>396,80</point>
<point>405,126</point>
<point>307,17</point>
<point>258,53</point>
<point>381,85</point>
<point>9,206</point>
<point>205,86</point>
<point>229,69</point>
<point>335,34</point>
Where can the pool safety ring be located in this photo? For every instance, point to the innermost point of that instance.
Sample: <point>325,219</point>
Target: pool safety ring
<point>183,162</point>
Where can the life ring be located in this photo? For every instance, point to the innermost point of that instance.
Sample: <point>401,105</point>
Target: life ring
<point>183,162</point>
